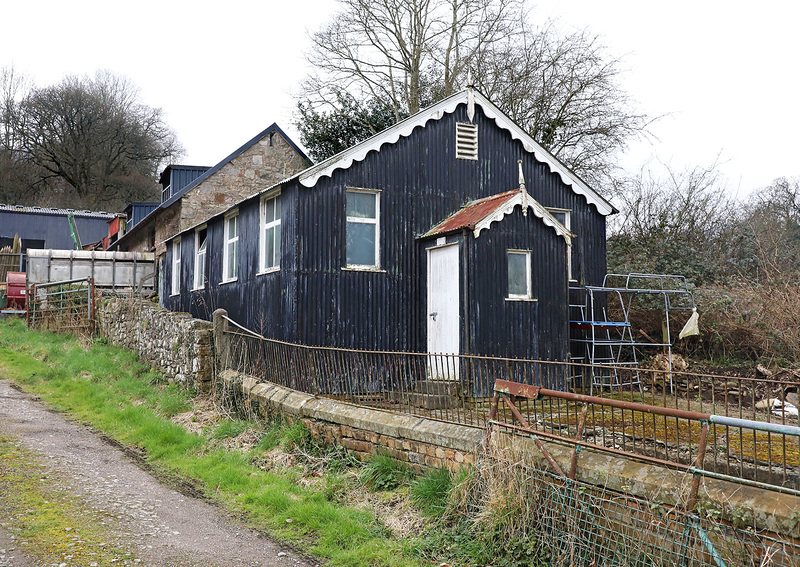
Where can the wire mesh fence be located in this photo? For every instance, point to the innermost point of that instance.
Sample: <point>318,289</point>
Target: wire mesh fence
<point>62,306</point>
<point>562,522</point>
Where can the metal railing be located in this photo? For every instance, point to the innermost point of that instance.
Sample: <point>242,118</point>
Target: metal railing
<point>629,419</point>
<point>62,306</point>
<point>675,438</point>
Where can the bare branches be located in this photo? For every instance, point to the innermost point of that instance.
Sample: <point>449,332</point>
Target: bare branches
<point>407,54</point>
<point>94,135</point>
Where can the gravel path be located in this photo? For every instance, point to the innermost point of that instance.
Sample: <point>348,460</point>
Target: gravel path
<point>161,526</point>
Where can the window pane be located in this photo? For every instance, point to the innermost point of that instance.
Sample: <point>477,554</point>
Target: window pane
<point>277,246</point>
<point>269,210</point>
<point>361,244</point>
<point>202,239</point>
<point>277,201</point>
<point>361,205</point>
<point>232,248</point>
<point>517,274</point>
<point>233,227</point>
<point>269,260</point>
<point>560,217</point>
<point>200,270</point>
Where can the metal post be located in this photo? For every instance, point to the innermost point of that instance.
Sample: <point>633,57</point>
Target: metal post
<point>701,457</point>
<point>573,466</point>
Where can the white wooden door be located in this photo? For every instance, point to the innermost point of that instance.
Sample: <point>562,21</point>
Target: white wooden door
<point>443,312</point>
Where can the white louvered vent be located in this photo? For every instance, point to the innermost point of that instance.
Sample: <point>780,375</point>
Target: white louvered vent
<point>466,141</point>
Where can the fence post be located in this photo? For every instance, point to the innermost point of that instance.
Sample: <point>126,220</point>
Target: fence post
<point>221,340</point>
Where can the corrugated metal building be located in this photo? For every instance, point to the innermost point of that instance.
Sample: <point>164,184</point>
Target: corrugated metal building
<point>421,238</point>
<point>43,227</point>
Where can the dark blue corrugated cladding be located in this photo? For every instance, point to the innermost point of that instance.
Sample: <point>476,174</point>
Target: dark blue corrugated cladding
<point>535,329</point>
<point>137,211</point>
<point>315,300</point>
<point>48,229</point>
<point>420,183</point>
<point>260,301</point>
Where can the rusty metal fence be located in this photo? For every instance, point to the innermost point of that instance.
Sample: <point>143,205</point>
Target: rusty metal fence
<point>563,522</point>
<point>63,306</point>
<point>722,411</point>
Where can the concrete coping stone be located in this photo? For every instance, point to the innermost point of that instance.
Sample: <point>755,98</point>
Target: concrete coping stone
<point>414,428</point>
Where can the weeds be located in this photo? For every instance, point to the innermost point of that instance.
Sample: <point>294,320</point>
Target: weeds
<point>431,491</point>
<point>382,472</point>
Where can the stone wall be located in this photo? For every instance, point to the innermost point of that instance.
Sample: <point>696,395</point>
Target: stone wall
<point>185,349</point>
<point>173,343</point>
<point>260,166</point>
<point>363,431</point>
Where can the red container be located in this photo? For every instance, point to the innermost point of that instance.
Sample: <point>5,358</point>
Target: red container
<point>16,291</point>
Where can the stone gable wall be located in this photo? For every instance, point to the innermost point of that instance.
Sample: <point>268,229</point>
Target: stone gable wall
<point>260,166</point>
<point>257,168</point>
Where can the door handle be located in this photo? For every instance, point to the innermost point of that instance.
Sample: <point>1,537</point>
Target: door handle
<point>433,315</point>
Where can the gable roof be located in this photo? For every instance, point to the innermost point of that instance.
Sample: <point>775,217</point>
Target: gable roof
<point>208,173</point>
<point>404,128</point>
<point>479,215</point>
<point>212,170</point>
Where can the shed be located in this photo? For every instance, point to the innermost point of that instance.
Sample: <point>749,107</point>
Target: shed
<point>357,250</point>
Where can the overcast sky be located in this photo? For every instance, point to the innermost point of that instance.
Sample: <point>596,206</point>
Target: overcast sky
<point>722,74</point>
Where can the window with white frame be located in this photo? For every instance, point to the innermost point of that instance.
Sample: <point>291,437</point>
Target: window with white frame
<point>564,217</point>
<point>230,254</point>
<point>200,248</point>
<point>519,274</point>
<point>270,241</point>
<point>363,228</point>
<point>176,266</point>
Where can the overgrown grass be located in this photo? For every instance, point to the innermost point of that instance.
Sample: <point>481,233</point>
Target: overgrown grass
<point>109,389</point>
<point>431,491</point>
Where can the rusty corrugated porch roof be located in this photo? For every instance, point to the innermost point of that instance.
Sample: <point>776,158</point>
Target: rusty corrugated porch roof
<point>471,214</point>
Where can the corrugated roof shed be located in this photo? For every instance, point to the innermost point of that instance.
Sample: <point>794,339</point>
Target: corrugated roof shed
<point>58,212</point>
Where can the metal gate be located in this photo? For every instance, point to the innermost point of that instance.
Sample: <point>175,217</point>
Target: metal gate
<point>67,305</point>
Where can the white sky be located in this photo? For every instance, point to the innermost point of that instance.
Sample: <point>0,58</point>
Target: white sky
<point>723,74</point>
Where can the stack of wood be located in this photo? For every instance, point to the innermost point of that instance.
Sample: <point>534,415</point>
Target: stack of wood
<point>9,259</point>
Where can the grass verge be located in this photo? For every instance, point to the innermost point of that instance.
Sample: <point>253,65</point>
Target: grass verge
<point>55,526</point>
<point>109,389</point>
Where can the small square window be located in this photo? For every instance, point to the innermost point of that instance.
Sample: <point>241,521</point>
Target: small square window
<point>519,274</point>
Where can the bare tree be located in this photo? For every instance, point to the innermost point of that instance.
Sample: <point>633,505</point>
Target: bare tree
<point>96,136</point>
<point>675,222</point>
<point>17,176</point>
<point>405,54</point>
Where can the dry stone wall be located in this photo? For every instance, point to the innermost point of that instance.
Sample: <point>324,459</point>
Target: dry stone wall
<point>177,345</point>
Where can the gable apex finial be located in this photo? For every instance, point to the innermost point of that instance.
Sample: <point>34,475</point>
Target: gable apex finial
<point>522,189</point>
<point>470,97</point>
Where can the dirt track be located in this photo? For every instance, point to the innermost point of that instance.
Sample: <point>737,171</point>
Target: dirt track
<point>161,526</point>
